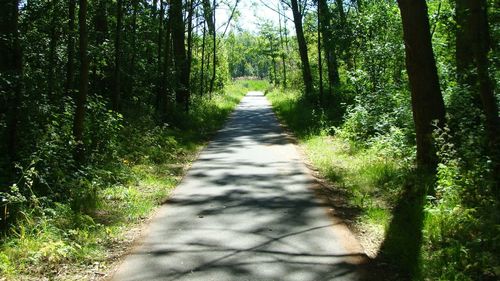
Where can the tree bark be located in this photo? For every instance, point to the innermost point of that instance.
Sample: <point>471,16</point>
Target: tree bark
<point>168,60</point>
<point>282,45</point>
<point>346,34</point>
<point>427,101</point>
<point>132,66</point>
<point>320,63</point>
<point>202,70</point>
<point>11,71</point>
<point>70,66</point>
<point>81,98</point>
<point>52,54</point>
<point>329,46</point>
<point>190,35</point>
<point>304,57</point>
<point>101,34</point>
<point>180,58</point>
<point>115,98</point>
<point>160,97</point>
<point>214,63</point>
<point>209,18</point>
<point>464,55</point>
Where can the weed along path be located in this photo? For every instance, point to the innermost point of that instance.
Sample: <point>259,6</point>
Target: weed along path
<point>245,211</point>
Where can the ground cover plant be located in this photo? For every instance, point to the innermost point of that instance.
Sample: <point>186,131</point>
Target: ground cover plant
<point>54,240</point>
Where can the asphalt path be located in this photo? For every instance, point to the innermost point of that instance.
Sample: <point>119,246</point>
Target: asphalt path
<point>245,211</point>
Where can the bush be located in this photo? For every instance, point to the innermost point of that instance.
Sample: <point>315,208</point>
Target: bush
<point>461,224</point>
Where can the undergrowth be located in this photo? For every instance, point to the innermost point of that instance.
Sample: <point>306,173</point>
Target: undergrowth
<point>58,241</point>
<point>442,227</point>
<point>370,176</point>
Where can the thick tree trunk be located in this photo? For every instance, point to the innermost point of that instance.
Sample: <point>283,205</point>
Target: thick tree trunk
<point>116,96</point>
<point>180,58</point>
<point>304,57</point>
<point>427,101</point>
<point>81,98</point>
<point>11,71</point>
<point>70,66</point>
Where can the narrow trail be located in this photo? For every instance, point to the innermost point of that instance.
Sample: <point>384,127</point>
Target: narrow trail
<point>245,211</point>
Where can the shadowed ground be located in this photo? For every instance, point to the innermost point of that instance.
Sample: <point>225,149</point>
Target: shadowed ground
<point>245,211</point>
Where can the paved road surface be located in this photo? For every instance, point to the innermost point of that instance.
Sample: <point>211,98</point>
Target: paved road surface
<point>245,211</point>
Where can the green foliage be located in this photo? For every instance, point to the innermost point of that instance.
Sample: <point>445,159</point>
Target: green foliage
<point>115,191</point>
<point>371,178</point>
<point>461,224</point>
<point>246,56</point>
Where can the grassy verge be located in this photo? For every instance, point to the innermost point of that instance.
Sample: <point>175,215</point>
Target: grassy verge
<point>365,182</point>
<point>368,180</point>
<point>425,227</point>
<point>55,242</point>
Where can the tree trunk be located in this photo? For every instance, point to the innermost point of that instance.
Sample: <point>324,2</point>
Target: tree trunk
<point>160,99</point>
<point>81,98</point>
<point>359,5</point>
<point>209,18</point>
<point>214,63</point>
<point>52,54</point>
<point>304,57</point>
<point>70,66</point>
<point>329,46</point>
<point>11,71</point>
<point>180,59</point>
<point>274,77</point>
<point>286,37</point>
<point>190,36</point>
<point>115,98</point>
<point>464,55</point>
<point>282,45</point>
<point>427,101</point>
<point>202,70</point>
<point>168,60</point>
<point>472,57</point>
<point>320,64</point>
<point>132,66</point>
<point>101,34</point>
<point>345,42</point>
